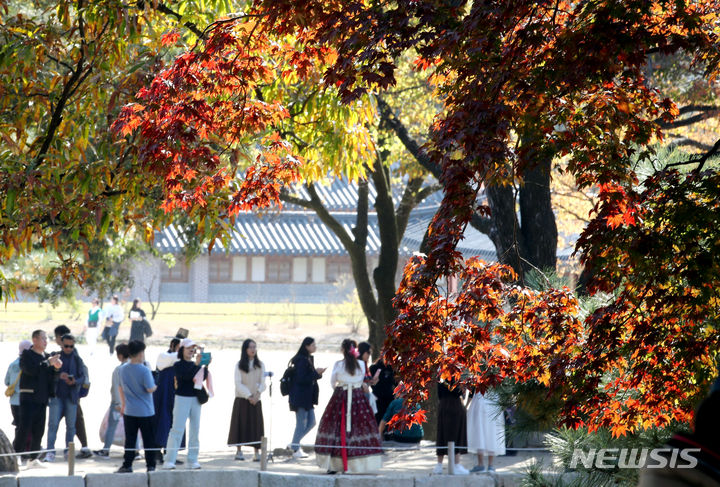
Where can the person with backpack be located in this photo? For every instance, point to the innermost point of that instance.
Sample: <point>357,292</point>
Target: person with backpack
<point>303,393</point>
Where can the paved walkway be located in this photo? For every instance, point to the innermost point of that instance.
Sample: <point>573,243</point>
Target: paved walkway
<point>396,463</point>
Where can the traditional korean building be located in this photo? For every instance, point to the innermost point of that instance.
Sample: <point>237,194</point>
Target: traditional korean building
<point>283,255</point>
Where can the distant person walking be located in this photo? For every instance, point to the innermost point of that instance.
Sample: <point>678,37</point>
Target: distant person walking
<point>115,411</point>
<point>95,317</point>
<point>187,405</point>
<point>246,423</point>
<point>136,388</point>
<point>304,393</point>
<point>36,385</point>
<point>12,380</point>
<point>115,315</point>
<point>139,326</point>
<point>348,433</point>
<point>365,351</point>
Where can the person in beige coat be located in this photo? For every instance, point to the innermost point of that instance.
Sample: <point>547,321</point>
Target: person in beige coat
<point>246,423</point>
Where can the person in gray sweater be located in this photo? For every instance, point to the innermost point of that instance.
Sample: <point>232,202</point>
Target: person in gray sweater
<point>123,354</point>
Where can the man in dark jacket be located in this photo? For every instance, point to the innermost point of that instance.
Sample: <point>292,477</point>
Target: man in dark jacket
<point>37,383</point>
<point>67,394</point>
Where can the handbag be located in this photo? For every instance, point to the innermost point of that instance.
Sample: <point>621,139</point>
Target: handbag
<point>10,391</point>
<point>202,395</point>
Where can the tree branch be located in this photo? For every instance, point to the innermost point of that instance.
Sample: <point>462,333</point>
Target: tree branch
<point>707,111</point>
<point>692,143</point>
<point>388,117</point>
<point>190,25</point>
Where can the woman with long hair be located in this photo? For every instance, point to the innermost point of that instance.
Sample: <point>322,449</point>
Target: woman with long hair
<point>187,406</point>
<point>138,320</point>
<point>304,393</point>
<point>246,423</point>
<point>348,438</point>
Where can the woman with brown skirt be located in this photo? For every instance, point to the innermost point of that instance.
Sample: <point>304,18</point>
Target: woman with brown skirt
<point>246,425</point>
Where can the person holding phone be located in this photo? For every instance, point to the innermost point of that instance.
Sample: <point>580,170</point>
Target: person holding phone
<point>67,395</point>
<point>304,393</point>
<point>246,424</point>
<point>187,406</point>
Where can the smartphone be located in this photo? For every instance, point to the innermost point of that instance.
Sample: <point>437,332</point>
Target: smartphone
<point>205,358</point>
<point>71,377</point>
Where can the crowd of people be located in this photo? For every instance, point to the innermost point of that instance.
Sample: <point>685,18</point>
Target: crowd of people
<point>164,404</point>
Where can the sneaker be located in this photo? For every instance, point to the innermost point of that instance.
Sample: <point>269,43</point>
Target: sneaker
<point>49,457</point>
<point>138,456</point>
<point>477,469</point>
<point>124,470</point>
<point>460,470</point>
<point>168,466</point>
<point>194,466</point>
<point>36,463</point>
<point>239,456</point>
<point>102,453</point>
<point>299,454</point>
<point>84,453</point>
<point>150,469</point>
<point>491,469</point>
<point>438,469</point>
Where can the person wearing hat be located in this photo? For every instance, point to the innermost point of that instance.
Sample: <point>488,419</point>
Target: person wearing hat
<point>164,395</point>
<point>12,379</point>
<point>187,406</point>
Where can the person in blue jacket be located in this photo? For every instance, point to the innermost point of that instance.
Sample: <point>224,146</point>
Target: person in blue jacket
<point>304,393</point>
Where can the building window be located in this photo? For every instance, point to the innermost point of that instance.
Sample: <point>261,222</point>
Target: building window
<point>239,269</point>
<point>258,269</point>
<point>177,273</point>
<point>300,269</point>
<point>335,269</point>
<point>278,270</point>
<point>220,269</point>
<point>318,269</point>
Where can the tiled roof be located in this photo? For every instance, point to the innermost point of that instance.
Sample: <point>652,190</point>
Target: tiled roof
<point>297,231</point>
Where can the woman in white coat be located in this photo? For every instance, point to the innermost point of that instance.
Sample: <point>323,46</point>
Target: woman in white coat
<point>485,429</point>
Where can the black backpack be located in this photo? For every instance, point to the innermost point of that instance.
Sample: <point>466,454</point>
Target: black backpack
<point>287,379</point>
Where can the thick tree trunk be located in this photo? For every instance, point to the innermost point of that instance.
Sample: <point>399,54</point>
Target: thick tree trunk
<point>539,230</point>
<point>505,230</point>
<point>384,273</point>
<point>7,464</point>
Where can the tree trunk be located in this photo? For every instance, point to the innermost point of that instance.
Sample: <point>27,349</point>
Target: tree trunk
<point>7,464</point>
<point>384,273</point>
<point>539,230</point>
<point>505,230</point>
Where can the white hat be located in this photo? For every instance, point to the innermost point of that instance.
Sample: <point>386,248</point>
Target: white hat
<point>24,345</point>
<point>187,343</point>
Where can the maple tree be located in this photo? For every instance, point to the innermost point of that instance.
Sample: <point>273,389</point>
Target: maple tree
<point>519,80</point>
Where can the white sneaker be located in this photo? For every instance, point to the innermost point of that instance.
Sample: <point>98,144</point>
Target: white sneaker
<point>460,470</point>
<point>168,466</point>
<point>299,454</point>
<point>438,469</point>
<point>194,466</point>
<point>36,464</point>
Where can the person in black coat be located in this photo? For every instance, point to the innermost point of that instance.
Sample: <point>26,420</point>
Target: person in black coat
<point>37,385</point>
<point>384,389</point>
<point>304,393</point>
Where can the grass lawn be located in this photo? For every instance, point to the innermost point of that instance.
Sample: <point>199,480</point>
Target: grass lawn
<point>211,322</point>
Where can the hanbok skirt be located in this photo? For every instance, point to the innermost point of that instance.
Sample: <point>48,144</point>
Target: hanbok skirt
<point>362,450</point>
<point>486,426</point>
<point>246,423</point>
